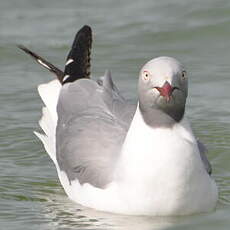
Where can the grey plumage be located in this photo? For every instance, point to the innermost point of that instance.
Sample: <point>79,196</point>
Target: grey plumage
<point>203,152</point>
<point>93,118</point>
<point>91,129</point>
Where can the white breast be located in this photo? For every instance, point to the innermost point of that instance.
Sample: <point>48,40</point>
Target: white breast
<point>161,172</point>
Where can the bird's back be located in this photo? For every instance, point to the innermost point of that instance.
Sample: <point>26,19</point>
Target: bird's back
<point>93,120</point>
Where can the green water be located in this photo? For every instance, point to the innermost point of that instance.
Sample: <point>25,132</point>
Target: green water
<point>126,35</point>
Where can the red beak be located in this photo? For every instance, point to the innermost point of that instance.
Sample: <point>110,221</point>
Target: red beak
<point>166,90</point>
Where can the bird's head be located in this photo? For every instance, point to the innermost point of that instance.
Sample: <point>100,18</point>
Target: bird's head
<point>163,87</point>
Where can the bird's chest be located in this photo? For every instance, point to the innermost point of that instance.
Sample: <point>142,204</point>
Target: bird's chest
<point>156,167</point>
<point>148,153</point>
<point>153,158</point>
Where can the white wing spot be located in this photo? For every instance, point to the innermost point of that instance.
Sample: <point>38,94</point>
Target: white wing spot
<point>42,63</point>
<point>66,76</point>
<point>69,61</point>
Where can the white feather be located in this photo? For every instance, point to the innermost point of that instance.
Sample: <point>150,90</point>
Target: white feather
<point>49,93</point>
<point>42,63</point>
<point>69,61</point>
<point>46,122</point>
<point>65,78</point>
<point>161,174</point>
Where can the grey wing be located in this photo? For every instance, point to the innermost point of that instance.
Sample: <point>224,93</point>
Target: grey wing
<point>204,158</point>
<point>93,120</point>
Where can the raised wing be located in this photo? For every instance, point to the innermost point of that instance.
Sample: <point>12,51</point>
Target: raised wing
<point>78,60</point>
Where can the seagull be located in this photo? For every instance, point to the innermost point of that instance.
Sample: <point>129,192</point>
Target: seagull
<point>117,157</point>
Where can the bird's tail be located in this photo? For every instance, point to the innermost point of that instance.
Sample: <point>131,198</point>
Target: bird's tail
<point>49,93</point>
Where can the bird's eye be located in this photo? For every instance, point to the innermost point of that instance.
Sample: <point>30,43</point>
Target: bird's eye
<point>146,75</point>
<point>183,75</point>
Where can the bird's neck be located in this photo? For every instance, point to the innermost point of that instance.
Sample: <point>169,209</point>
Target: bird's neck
<point>140,149</point>
<point>155,117</point>
<point>141,137</point>
<point>161,115</point>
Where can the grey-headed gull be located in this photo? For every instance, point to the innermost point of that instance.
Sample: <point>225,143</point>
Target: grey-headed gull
<point>117,157</point>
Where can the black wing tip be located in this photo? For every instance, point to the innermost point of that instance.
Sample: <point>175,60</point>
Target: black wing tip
<point>20,46</point>
<point>78,60</point>
<point>26,50</point>
<point>79,53</point>
<point>83,37</point>
<point>86,29</point>
<point>23,48</point>
<point>41,61</point>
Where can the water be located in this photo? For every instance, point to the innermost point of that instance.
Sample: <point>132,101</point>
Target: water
<point>126,35</point>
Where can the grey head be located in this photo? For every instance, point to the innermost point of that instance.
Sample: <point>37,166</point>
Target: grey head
<point>162,91</point>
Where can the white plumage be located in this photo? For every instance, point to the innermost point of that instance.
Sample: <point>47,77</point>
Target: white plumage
<point>159,172</point>
<point>114,158</point>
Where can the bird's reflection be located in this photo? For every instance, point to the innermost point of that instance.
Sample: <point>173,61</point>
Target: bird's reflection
<point>64,213</point>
